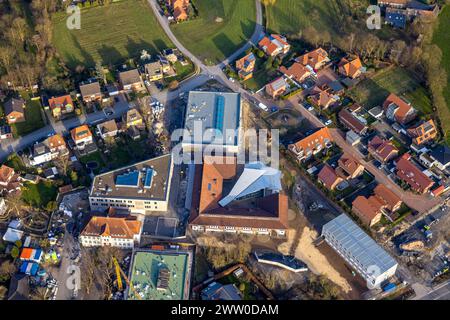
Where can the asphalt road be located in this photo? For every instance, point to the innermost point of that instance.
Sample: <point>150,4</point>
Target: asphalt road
<point>441,292</point>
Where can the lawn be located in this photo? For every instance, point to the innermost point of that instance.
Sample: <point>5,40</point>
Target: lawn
<point>33,119</point>
<point>109,34</point>
<point>442,39</point>
<point>222,26</point>
<point>337,17</point>
<point>39,195</point>
<point>373,91</point>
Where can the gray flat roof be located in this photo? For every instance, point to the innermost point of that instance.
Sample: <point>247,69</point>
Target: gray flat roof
<point>358,244</point>
<point>216,111</point>
<point>134,182</point>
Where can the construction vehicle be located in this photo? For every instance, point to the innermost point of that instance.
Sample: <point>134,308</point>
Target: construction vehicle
<point>119,273</point>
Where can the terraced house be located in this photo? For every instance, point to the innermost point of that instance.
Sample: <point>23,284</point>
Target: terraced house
<point>312,144</point>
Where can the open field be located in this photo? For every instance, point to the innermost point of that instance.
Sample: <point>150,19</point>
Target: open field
<point>109,34</point>
<point>221,27</point>
<point>442,39</point>
<point>373,91</point>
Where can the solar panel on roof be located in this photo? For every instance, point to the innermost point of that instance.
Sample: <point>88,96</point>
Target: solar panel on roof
<point>130,179</point>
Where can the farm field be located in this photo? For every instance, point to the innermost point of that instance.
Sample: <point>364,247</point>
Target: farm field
<point>373,91</point>
<point>109,34</point>
<point>221,27</point>
<point>442,39</point>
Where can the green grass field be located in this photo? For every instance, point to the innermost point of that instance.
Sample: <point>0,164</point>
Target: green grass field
<point>442,39</point>
<point>109,34</point>
<point>373,91</point>
<point>39,195</point>
<point>33,119</point>
<point>213,40</point>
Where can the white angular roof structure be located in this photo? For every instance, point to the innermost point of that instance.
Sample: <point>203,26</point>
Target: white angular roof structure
<point>255,177</point>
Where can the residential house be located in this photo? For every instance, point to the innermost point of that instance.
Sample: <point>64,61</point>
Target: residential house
<point>108,129</point>
<point>5,132</point>
<point>179,9</point>
<point>424,133</point>
<point>382,150</point>
<point>154,71</point>
<point>91,92</point>
<point>277,88</point>
<point>131,81</point>
<point>389,199</point>
<point>14,110</point>
<point>61,105</point>
<point>351,68</point>
<point>274,45</point>
<point>112,90</point>
<point>9,180</point>
<point>170,55</point>
<point>441,156</point>
<point>412,175</point>
<point>329,178</point>
<point>133,118</point>
<point>315,59</point>
<point>119,232</point>
<point>396,109</point>
<point>82,136</point>
<point>297,72</point>
<point>349,168</point>
<point>312,144</point>
<point>352,122</point>
<point>233,198</point>
<point>245,66</point>
<point>323,99</point>
<point>369,210</point>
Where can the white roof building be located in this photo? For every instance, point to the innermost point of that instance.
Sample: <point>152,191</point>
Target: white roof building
<point>256,177</point>
<point>369,259</point>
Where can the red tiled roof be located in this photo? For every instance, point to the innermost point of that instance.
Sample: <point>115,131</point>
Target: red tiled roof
<point>350,121</point>
<point>415,178</point>
<point>403,114</point>
<point>386,196</point>
<point>383,148</point>
<point>350,68</point>
<point>313,58</point>
<point>329,177</point>
<point>367,208</point>
<point>112,227</point>
<point>297,71</point>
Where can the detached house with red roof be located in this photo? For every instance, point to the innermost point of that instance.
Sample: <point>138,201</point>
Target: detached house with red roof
<point>349,167</point>
<point>396,109</point>
<point>411,174</point>
<point>234,198</point>
<point>274,45</point>
<point>61,105</point>
<point>382,150</point>
<point>179,9</point>
<point>323,98</point>
<point>296,72</point>
<point>351,68</point>
<point>82,136</point>
<point>329,178</point>
<point>9,180</point>
<point>315,59</point>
